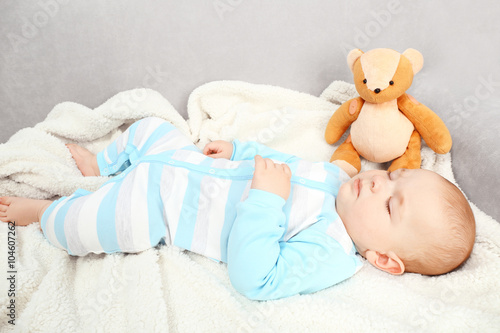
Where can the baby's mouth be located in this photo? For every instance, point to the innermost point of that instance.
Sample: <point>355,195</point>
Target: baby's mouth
<point>357,187</point>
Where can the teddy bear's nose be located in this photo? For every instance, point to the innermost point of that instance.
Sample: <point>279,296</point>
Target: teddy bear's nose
<point>377,90</point>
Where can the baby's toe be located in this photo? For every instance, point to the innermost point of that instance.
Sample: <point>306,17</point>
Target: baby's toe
<point>71,147</point>
<point>5,201</point>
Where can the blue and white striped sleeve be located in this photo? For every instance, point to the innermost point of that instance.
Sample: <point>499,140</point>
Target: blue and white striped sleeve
<point>247,151</point>
<point>262,267</point>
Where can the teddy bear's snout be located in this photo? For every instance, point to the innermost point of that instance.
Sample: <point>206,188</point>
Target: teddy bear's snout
<point>377,90</point>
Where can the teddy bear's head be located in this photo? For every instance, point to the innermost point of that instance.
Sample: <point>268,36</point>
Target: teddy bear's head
<point>382,75</point>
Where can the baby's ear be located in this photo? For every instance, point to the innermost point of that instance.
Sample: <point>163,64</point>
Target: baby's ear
<point>389,262</point>
<point>416,59</point>
<point>352,57</point>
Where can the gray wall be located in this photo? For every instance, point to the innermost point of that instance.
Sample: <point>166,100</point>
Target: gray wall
<point>87,50</point>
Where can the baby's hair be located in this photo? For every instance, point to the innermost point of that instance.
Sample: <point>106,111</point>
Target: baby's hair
<point>452,243</point>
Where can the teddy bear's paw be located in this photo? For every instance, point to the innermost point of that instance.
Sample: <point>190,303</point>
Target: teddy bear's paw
<point>348,168</point>
<point>402,163</point>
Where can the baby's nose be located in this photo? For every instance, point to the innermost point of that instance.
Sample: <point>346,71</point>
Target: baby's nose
<point>376,183</point>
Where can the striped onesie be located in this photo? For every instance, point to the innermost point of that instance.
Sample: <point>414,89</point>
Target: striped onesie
<point>165,190</point>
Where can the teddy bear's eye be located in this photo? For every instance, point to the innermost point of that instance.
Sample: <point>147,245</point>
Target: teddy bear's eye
<point>391,82</point>
<point>364,81</point>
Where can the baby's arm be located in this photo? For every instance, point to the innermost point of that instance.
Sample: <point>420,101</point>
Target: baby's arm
<point>268,176</point>
<point>263,267</point>
<point>239,151</point>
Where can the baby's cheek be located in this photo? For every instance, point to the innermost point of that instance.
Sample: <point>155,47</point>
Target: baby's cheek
<point>364,216</point>
<point>343,191</point>
<point>340,200</point>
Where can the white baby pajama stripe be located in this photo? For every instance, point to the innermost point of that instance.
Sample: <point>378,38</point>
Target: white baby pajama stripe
<point>87,229</point>
<point>71,226</point>
<point>209,223</point>
<point>132,227</point>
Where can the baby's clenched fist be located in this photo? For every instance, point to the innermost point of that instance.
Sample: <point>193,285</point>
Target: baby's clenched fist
<point>219,149</point>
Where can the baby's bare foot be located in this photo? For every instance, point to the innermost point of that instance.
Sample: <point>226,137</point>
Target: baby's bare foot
<point>23,211</point>
<point>85,160</point>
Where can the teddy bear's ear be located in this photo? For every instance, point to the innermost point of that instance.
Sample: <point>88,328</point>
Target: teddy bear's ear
<point>416,58</point>
<point>352,57</point>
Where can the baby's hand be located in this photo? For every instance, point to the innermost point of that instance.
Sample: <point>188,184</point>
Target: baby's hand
<point>219,149</point>
<point>271,177</point>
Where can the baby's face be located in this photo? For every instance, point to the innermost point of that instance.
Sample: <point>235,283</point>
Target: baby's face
<point>385,211</point>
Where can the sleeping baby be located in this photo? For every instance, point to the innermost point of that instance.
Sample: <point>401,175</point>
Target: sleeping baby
<point>283,225</point>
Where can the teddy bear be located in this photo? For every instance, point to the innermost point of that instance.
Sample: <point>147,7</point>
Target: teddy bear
<point>386,124</point>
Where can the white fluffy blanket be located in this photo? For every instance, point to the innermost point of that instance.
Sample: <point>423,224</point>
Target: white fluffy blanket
<point>168,290</point>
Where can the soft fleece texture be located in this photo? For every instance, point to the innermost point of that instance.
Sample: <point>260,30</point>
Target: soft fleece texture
<point>166,289</point>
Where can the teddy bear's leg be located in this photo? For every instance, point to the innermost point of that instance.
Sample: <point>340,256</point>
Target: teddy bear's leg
<point>411,158</point>
<point>347,158</point>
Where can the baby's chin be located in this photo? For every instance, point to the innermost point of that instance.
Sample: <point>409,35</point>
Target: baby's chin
<point>341,197</point>
<point>345,190</point>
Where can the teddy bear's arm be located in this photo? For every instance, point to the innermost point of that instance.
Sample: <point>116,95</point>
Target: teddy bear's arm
<point>343,117</point>
<point>427,123</point>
